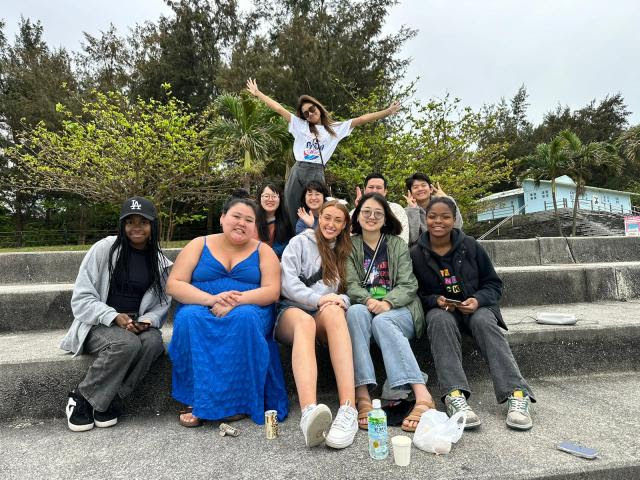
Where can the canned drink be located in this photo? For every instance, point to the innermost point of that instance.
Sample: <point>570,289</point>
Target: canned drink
<point>271,424</point>
<point>228,430</point>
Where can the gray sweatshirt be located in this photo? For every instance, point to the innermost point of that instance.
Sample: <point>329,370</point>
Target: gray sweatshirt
<point>301,257</point>
<point>90,293</point>
<point>418,222</point>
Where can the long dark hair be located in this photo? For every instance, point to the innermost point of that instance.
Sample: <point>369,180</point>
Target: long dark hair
<point>325,118</point>
<point>392,225</point>
<point>318,187</point>
<point>156,261</point>
<point>283,232</point>
<point>334,260</point>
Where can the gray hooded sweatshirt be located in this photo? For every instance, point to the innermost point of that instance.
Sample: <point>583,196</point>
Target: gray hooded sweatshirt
<point>302,258</point>
<point>90,293</point>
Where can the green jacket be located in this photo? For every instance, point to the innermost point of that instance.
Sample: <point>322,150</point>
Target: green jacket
<point>405,285</point>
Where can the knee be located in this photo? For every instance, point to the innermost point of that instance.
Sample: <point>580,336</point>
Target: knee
<point>483,320</point>
<point>152,344</point>
<point>438,319</point>
<point>382,323</point>
<point>333,317</point>
<point>358,315</point>
<point>128,346</point>
<point>305,327</point>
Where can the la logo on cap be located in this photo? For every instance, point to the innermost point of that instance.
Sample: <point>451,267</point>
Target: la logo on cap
<point>135,205</point>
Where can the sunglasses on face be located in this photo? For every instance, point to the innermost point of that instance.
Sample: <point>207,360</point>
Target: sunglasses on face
<point>309,111</point>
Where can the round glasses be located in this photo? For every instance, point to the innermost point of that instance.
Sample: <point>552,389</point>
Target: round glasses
<point>377,214</point>
<point>269,196</point>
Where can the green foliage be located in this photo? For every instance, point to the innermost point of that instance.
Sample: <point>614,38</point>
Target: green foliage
<point>438,138</point>
<point>115,148</point>
<point>333,50</point>
<point>245,134</point>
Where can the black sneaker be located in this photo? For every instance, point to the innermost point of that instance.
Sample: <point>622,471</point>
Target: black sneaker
<point>109,417</point>
<point>79,413</point>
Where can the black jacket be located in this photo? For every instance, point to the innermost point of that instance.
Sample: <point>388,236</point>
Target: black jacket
<point>469,262</point>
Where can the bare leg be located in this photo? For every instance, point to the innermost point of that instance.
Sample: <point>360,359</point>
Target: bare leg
<point>298,328</point>
<point>332,329</point>
<point>362,393</point>
<point>422,395</point>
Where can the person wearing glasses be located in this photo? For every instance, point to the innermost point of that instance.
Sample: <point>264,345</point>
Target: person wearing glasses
<point>272,220</point>
<point>382,289</point>
<point>315,137</point>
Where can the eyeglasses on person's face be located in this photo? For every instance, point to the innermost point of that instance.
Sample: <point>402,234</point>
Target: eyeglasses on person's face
<point>270,196</point>
<point>377,214</point>
<point>309,111</point>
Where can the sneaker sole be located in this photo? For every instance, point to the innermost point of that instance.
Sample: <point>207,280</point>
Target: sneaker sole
<point>106,424</point>
<point>79,428</point>
<point>471,426</point>
<point>339,446</point>
<point>319,422</point>
<point>517,426</point>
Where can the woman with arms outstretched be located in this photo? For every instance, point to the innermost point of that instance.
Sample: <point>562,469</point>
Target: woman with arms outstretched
<point>316,136</point>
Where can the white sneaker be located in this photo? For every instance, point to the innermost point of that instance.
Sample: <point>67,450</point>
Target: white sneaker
<point>314,423</point>
<point>344,427</point>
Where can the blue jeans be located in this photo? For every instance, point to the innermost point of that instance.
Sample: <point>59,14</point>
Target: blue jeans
<point>392,331</point>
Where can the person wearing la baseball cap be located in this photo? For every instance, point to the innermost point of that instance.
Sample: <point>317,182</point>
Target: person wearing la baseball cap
<point>119,304</point>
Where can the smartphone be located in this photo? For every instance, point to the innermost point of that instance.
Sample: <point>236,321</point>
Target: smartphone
<point>578,450</point>
<point>451,300</point>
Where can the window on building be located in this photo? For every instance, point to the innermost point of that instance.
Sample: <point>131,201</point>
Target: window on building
<point>533,196</point>
<point>617,200</point>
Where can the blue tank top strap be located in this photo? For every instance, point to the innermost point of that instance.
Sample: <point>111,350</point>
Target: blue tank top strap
<point>259,243</point>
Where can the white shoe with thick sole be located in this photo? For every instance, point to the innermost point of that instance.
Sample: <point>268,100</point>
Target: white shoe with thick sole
<point>315,421</point>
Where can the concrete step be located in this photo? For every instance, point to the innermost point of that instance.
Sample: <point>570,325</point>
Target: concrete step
<point>570,283</point>
<point>35,375</point>
<point>62,267</point>
<point>582,409</point>
<point>43,306</point>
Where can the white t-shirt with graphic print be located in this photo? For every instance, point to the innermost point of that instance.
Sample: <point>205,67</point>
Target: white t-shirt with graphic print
<point>305,146</point>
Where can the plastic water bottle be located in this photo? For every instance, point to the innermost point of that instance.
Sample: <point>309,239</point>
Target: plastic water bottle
<point>378,436</point>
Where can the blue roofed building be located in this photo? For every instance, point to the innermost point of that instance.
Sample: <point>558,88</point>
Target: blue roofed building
<point>531,198</point>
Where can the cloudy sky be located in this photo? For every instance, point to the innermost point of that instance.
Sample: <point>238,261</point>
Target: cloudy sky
<point>563,51</point>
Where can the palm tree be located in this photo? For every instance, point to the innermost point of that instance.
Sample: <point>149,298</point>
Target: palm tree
<point>629,144</point>
<point>247,131</point>
<point>581,161</point>
<point>549,162</point>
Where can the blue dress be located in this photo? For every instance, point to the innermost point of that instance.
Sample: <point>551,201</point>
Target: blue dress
<point>229,365</point>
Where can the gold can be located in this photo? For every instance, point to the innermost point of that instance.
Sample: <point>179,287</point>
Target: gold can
<point>271,424</point>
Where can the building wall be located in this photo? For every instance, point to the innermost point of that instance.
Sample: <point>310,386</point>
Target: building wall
<point>501,207</point>
<point>539,198</point>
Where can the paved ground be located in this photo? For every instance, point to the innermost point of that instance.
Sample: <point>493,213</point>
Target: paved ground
<point>599,411</point>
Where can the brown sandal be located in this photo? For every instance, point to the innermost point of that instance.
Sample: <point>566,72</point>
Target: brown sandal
<point>416,413</point>
<point>193,422</point>
<point>363,412</point>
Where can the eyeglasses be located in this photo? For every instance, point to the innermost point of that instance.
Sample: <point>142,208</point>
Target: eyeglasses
<point>309,111</point>
<point>270,196</point>
<point>377,214</point>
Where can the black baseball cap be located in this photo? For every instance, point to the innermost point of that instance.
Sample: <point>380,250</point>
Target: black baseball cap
<point>138,206</point>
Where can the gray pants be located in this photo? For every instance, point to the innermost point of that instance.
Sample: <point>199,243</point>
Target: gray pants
<point>301,173</point>
<point>444,331</point>
<point>123,360</point>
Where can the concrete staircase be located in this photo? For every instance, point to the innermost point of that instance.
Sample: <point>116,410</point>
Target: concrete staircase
<point>543,224</point>
<point>598,279</point>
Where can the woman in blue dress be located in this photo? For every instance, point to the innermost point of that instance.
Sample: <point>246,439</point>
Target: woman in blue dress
<point>225,362</point>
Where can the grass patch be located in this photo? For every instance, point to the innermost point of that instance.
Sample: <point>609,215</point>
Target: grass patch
<point>75,248</point>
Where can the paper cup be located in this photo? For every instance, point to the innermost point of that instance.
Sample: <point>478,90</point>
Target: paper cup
<point>401,450</point>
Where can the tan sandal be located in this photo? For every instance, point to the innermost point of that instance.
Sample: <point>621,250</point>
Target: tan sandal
<point>416,413</point>
<point>363,412</point>
<point>192,420</point>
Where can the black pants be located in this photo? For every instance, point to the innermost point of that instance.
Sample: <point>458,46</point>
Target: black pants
<point>301,174</point>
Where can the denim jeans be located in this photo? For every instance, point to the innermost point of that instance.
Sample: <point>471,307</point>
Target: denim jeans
<point>123,360</point>
<point>444,331</point>
<point>392,331</point>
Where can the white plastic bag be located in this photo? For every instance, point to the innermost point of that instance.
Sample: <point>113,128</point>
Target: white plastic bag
<point>436,432</point>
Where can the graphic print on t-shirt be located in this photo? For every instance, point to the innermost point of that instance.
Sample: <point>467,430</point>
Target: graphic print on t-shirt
<point>452,285</point>
<point>311,151</point>
<point>378,282</point>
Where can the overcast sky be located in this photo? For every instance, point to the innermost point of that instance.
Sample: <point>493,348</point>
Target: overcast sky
<point>564,51</point>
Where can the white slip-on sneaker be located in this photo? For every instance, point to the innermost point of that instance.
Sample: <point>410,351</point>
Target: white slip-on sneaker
<point>344,427</point>
<point>314,423</point>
